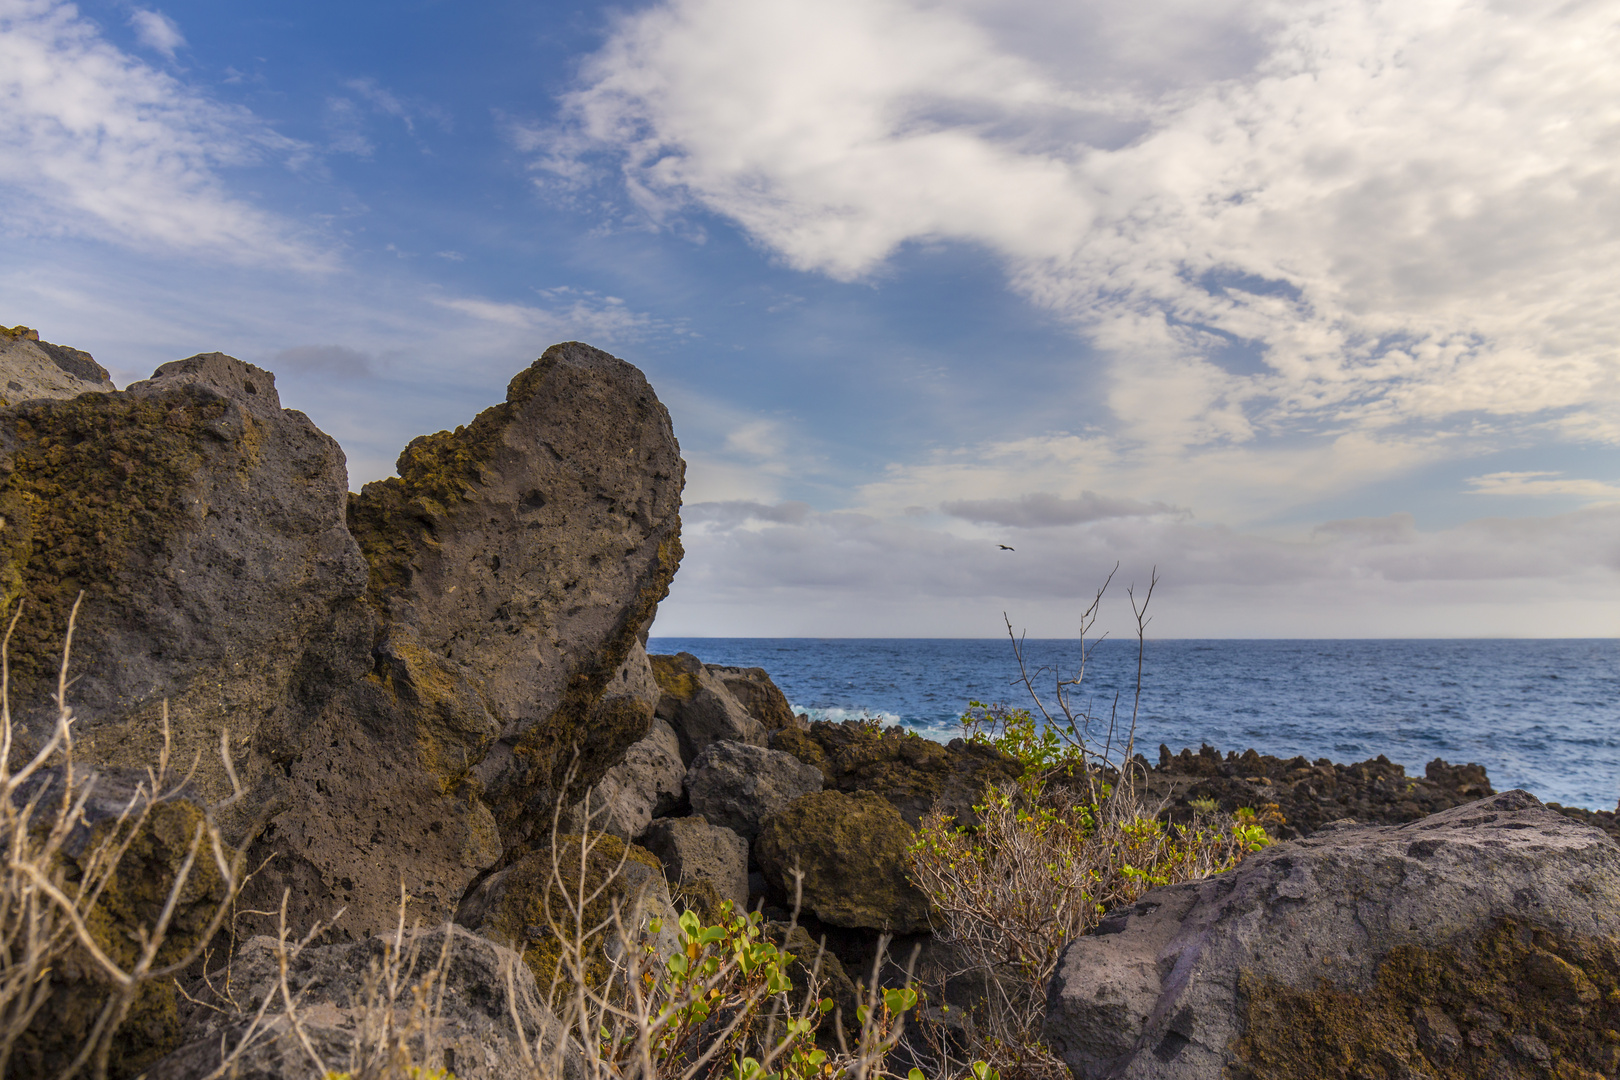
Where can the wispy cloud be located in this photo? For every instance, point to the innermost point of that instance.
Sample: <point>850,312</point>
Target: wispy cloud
<point>157,31</point>
<point>94,142</point>
<point>1043,509</point>
<point>1540,483</point>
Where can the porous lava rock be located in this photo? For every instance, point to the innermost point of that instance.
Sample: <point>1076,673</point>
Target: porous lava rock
<point>1309,794</point>
<point>913,773</point>
<point>31,369</point>
<point>738,785</point>
<point>650,782</point>
<point>757,694</point>
<point>526,552</point>
<point>695,852</point>
<point>1483,941</point>
<point>408,676</point>
<point>522,905</point>
<point>851,850</point>
<point>698,705</point>
<point>334,985</point>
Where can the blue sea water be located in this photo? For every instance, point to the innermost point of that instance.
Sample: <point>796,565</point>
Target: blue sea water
<point>1538,714</point>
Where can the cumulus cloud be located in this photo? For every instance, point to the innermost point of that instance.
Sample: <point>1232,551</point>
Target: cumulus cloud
<point>94,142</point>
<point>1405,212</point>
<point>157,31</point>
<point>1043,509</point>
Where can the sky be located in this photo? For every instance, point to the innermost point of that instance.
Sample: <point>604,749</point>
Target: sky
<point>1311,307</point>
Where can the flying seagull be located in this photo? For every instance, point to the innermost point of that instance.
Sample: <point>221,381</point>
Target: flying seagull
<point>1004,547</point>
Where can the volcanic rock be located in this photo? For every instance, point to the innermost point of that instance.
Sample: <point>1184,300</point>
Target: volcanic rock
<point>738,785</point>
<point>758,694</point>
<point>694,851</point>
<point>851,850</point>
<point>700,707</point>
<point>334,983</point>
<point>31,369</point>
<point>650,782</point>
<point>1427,949</point>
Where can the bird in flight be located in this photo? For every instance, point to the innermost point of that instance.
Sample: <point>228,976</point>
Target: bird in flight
<point>1004,547</point>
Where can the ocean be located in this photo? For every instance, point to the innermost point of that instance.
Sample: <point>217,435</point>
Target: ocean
<point>1538,714</point>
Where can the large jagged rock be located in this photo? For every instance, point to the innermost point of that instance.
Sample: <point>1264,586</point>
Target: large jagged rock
<point>758,694</point>
<point>913,773</point>
<point>476,1035</point>
<point>31,369</point>
<point>412,702</point>
<point>526,553</point>
<point>649,783</point>
<point>851,850</point>
<point>698,705</point>
<point>738,785</point>
<point>1483,941</point>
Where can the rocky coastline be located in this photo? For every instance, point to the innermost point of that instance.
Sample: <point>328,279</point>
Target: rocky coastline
<point>440,683</point>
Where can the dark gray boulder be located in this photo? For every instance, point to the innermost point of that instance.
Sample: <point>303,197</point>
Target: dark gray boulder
<point>1480,941</point>
<point>650,782</point>
<point>693,851</point>
<point>698,705</point>
<point>476,1036</point>
<point>739,785</point>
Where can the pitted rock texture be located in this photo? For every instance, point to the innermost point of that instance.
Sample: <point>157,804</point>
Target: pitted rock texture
<point>204,524</point>
<point>1464,944</point>
<point>31,369</point>
<point>758,694</point>
<point>476,1032</point>
<point>738,785</point>
<point>650,782</point>
<point>698,705</point>
<point>694,851</point>
<point>913,773</point>
<point>526,552</point>
<point>1309,794</point>
<point>851,850</point>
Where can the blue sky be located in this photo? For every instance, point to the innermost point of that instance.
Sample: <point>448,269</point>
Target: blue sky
<point>1312,305</point>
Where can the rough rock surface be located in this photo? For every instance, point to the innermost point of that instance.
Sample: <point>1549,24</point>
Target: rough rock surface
<point>700,708</point>
<point>31,369</point>
<point>756,693</point>
<point>516,905</point>
<point>851,850</point>
<point>1309,795</point>
<point>692,850</point>
<point>911,772</point>
<point>525,553</point>
<point>738,785</point>
<point>649,783</point>
<point>1477,942</point>
<point>477,1037</point>
<point>413,698</point>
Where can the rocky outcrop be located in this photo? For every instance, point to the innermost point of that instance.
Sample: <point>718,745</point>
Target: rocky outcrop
<point>31,369</point>
<point>696,853</point>
<point>476,1037</point>
<point>1308,795</point>
<point>526,553</point>
<point>738,785</point>
<point>851,850</point>
<point>698,705</point>
<point>913,773</point>
<point>759,696</point>
<point>1481,941</point>
<point>409,675</point>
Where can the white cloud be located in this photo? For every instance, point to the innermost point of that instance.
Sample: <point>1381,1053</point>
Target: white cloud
<point>157,31</point>
<point>1407,210</point>
<point>1540,483</point>
<point>93,142</point>
<point>569,314</point>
